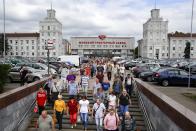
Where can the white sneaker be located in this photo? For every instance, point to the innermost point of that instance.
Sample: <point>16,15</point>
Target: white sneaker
<point>72,126</point>
<point>75,125</point>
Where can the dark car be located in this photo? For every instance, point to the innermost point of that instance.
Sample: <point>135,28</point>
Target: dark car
<point>143,68</point>
<point>130,65</point>
<point>174,76</point>
<point>192,68</point>
<point>148,75</point>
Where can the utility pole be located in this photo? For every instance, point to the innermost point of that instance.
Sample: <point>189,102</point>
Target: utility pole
<point>189,82</point>
<point>4,29</point>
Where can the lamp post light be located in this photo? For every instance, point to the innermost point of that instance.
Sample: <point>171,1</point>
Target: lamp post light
<point>191,35</point>
<point>4,30</point>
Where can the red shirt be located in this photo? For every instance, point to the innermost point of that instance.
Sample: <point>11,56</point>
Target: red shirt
<point>41,98</point>
<point>73,106</point>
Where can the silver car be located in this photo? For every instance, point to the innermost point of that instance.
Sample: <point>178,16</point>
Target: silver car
<point>33,75</point>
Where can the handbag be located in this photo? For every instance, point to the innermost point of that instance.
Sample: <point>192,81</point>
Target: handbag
<point>54,118</point>
<point>95,111</point>
<point>35,110</point>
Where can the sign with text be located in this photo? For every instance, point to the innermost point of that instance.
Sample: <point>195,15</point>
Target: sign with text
<point>103,42</point>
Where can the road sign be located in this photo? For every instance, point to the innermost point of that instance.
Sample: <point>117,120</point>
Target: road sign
<point>50,45</point>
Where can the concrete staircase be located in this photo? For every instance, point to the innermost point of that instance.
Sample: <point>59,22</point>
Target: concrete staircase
<point>134,110</point>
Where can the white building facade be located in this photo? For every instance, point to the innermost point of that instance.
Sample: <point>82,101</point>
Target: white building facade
<point>154,44</point>
<point>177,43</point>
<point>51,29</point>
<point>103,46</point>
<point>23,44</point>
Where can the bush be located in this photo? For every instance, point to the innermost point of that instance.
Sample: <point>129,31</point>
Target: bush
<point>4,70</point>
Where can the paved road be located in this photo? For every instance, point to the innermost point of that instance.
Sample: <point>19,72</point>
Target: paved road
<point>176,93</point>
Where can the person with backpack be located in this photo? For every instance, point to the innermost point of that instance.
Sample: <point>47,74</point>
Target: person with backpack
<point>111,121</point>
<point>98,112</point>
<point>100,76</point>
<point>124,101</point>
<point>128,122</point>
<point>128,84</point>
<point>117,86</point>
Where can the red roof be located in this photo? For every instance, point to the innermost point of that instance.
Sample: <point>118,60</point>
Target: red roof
<point>22,34</point>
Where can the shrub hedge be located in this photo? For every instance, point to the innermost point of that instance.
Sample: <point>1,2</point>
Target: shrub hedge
<point>4,70</point>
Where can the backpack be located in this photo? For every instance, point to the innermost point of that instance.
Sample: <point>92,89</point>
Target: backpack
<point>117,87</point>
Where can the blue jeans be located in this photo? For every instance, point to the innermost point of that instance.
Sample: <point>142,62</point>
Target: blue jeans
<point>84,119</point>
<point>123,109</point>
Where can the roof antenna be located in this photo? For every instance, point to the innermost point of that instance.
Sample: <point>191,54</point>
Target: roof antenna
<point>51,4</point>
<point>155,4</point>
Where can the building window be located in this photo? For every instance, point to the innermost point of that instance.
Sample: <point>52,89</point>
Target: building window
<point>21,47</point>
<point>27,41</point>
<point>16,41</point>
<point>10,41</point>
<point>167,54</point>
<point>48,27</point>
<point>10,47</point>
<point>21,53</point>
<point>38,47</point>
<point>42,27</point>
<point>11,53</point>
<point>16,53</point>
<point>21,42</point>
<point>54,53</point>
<point>16,48</point>
<point>174,48</point>
<point>27,47</point>
<point>179,55</point>
<point>32,47</point>
<point>32,41</point>
<point>48,33</point>
<point>150,47</point>
<point>32,53</point>
<point>27,53</point>
<point>42,53</point>
<point>163,54</point>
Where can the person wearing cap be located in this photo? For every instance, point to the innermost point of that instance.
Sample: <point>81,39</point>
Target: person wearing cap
<point>59,108</point>
<point>72,110</point>
<point>124,101</point>
<point>98,112</point>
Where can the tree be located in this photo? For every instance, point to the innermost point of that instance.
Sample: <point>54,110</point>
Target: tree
<point>136,52</point>
<point>2,44</point>
<point>187,50</point>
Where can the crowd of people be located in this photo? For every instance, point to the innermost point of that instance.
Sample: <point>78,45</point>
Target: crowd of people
<point>112,90</point>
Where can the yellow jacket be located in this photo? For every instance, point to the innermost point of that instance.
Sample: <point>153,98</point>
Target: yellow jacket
<point>59,105</point>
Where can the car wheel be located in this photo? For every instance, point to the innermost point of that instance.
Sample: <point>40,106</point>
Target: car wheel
<point>36,79</point>
<point>149,79</point>
<point>165,82</point>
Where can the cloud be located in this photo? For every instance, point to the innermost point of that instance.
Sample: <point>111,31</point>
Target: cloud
<point>94,17</point>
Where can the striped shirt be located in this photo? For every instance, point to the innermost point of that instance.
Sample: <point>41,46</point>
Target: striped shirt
<point>84,80</point>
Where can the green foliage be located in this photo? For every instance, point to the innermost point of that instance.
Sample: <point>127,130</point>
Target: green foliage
<point>2,44</point>
<point>4,70</point>
<point>187,50</point>
<point>136,52</point>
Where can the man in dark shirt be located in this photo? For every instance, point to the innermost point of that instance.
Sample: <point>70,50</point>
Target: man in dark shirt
<point>23,75</point>
<point>124,101</point>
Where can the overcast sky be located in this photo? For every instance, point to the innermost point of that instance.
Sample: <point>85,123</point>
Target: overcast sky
<point>94,17</point>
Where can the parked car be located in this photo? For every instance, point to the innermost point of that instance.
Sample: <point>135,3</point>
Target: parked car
<point>148,75</point>
<point>38,66</point>
<point>173,76</point>
<point>33,75</point>
<point>192,68</point>
<point>143,67</point>
<point>130,65</point>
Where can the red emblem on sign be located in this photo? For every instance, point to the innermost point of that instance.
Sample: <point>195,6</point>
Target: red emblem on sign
<point>102,37</point>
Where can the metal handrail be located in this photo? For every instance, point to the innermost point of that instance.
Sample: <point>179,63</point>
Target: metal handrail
<point>146,117</point>
<point>25,115</point>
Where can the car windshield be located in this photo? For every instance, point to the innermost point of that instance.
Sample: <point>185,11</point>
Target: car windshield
<point>155,69</point>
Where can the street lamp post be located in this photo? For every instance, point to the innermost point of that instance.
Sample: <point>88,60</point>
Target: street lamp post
<point>189,81</point>
<point>4,29</point>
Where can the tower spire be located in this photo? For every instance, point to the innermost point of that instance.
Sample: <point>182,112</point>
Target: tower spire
<point>51,4</point>
<point>155,4</point>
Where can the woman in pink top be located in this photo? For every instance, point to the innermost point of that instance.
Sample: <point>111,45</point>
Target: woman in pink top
<point>111,121</point>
